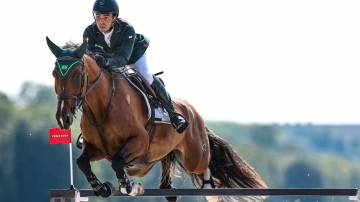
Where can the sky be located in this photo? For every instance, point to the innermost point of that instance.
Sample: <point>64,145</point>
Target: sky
<point>260,61</point>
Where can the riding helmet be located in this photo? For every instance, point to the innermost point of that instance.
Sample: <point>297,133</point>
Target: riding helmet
<point>106,7</point>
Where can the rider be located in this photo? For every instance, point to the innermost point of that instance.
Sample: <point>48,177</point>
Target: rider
<point>118,44</point>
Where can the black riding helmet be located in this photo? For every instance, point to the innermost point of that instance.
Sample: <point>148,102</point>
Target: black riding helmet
<point>106,7</point>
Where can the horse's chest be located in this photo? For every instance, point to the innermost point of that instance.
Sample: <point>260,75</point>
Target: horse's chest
<point>105,140</point>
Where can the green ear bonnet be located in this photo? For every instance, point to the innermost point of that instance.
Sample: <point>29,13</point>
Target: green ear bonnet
<point>66,62</point>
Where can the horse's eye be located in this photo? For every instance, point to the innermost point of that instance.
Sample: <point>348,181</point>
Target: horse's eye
<point>77,78</point>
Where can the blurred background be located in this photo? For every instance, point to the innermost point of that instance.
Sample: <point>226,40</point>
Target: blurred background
<point>286,155</point>
<point>278,79</point>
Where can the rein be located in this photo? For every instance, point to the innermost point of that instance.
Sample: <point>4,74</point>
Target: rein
<point>98,125</point>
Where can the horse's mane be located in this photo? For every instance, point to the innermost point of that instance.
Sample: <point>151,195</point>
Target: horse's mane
<point>74,45</point>
<point>71,45</point>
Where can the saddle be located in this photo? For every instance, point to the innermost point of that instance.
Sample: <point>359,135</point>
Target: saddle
<point>155,110</point>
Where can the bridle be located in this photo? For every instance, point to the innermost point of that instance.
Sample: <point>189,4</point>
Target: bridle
<point>84,89</point>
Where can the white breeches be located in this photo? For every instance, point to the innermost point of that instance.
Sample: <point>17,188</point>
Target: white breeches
<point>142,68</point>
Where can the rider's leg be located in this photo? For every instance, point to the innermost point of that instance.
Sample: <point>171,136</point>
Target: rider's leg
<point>177,120</point>
<point>141,67</point>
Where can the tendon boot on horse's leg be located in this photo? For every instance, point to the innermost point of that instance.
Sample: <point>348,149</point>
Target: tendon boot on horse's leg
<point>208,183</point>
<point>100,189</point>
<point>177,120</point>
<point>125,185</point>
<point>166,178</point>
<point>118,165</point>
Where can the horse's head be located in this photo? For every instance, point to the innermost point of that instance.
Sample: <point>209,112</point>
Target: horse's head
<point>70,80</point>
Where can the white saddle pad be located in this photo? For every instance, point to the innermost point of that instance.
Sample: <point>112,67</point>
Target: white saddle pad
<point>161,116</point>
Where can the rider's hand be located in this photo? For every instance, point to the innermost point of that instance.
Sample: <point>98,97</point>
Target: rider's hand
<point>100,60</point>
<point>110,63</point>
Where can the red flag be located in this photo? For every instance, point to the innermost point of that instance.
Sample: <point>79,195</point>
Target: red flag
<point>59,136</point>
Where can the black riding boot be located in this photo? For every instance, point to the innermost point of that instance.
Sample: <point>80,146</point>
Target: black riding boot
<point>177,120</point>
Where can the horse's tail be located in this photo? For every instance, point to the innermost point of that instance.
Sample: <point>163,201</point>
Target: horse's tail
<point>228,168</point>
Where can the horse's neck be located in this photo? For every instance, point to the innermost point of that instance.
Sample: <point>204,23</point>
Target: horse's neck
<point>126,98</point>
<point>99,87</point>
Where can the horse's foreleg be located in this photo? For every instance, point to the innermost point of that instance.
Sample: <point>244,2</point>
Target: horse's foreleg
<point>134,148</point>
<point>118,164</point>
<point>125,185</point>
<point>99,188</point>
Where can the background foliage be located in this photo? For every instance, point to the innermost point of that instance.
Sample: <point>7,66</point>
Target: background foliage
<point>288,155</point>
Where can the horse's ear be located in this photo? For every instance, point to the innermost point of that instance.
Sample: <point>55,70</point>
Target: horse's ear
<point>56,50</point>
<point>79,52</point>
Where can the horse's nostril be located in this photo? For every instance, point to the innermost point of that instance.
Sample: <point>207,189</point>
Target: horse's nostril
<point>73,110</point>
<point>68,119</point>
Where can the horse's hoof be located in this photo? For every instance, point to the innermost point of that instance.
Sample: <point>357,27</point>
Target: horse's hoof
<point>125,190</point>
<point>131,188</point>
<point>213,198</point>
<point>169,198</point>
<point>104,190</point>
<point>136,190</point>
<point>108,189</point>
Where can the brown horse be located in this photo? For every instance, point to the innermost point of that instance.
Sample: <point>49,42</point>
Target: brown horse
<point>113,126</point>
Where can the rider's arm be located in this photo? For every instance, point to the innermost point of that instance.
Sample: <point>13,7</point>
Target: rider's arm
<point>87,36</point>
<point>123,52</point>
<point>99,56</point>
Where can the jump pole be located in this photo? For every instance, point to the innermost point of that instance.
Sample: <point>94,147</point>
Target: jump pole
<point>84,194</point>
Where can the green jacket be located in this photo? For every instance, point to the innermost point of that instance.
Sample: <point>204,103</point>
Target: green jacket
<point>126,45</point>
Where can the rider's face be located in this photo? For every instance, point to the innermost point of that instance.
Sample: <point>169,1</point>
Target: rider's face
<point>104,21</point>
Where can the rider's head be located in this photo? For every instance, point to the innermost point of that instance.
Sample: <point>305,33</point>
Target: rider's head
<point>105,13</point>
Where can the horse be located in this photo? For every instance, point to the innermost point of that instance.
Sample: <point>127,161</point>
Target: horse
<point>113,124</point>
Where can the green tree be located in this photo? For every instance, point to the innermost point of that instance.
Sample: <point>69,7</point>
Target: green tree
<point>7,115</point>
<point>6,112</point>
<point>32,94</point>
<point>302,174</point>
<point>266,135</point>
